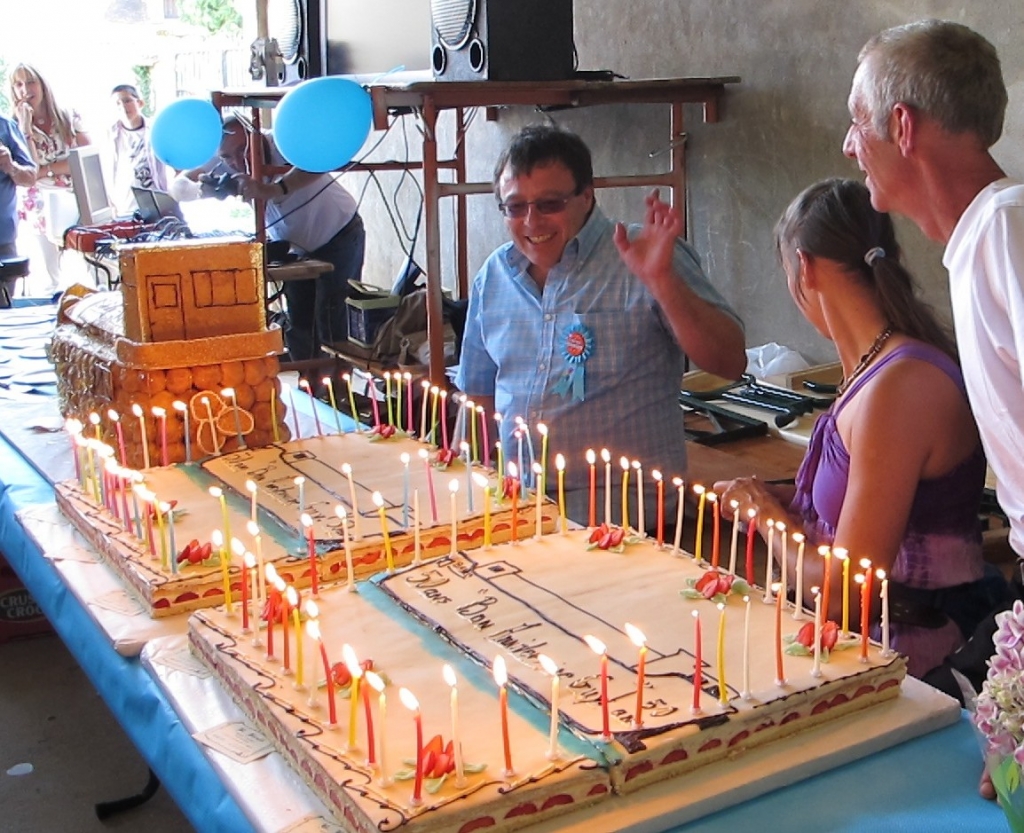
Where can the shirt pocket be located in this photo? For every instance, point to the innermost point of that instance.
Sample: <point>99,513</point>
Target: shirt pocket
<point>616,342</point>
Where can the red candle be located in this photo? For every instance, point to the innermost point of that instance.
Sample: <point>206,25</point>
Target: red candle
<point>598,647</point>
<point>780,674</point>
<point>370,758</point>
<point>501,677</point>
<point>271,609</point>
<point>313,629</point>
<point>592,460</point>
<point>716,533</point>
<point>307,522</point>
<point>825,551</point>
<point>660,538</point>
<point>751,533</point>
<point>698,662</point>
<point>865,609</point>
<point>410,702</point>
<point>283,610</point>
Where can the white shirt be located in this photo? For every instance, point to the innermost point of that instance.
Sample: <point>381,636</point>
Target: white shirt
<point>985,259</point>
<point>134,165</point>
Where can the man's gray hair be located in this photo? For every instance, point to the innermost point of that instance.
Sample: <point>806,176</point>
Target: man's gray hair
<point>944,69</point>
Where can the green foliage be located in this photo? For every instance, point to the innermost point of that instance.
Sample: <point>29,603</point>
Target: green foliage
<point>144,84</point>
<point>216,16</point>
<point>5,101</point>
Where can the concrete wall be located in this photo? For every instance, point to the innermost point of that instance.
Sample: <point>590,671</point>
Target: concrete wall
<point>783,129</point>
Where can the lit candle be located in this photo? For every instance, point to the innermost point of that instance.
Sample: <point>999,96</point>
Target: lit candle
<point>592,503</point>
<point>405,458</point>
<point>218,493</point>
<point>460,772</point>
<point>784,571</point>
<point>146,496</point>
<point>425,385</point>
<point>538,475</point>
<point>843,557</point>
<point>254,531</point>
<point>482,481</point>
<point>252,488</point>
<point>513,472</point>
<point>375,682</point>
<point>425,457</point>
<point>119,430</point>
<point>182,409</point>
<point>607,457</point>
<point>768,598</point>
<point>470,413</point>
<point>229,393</point>
<point>387,397</point>
<point>798,604</point>
<point>371,747</point>
<point>637,638</point>
<point>156,504</point>
<point>624,462</point>
<point>660,523</point>
<point>563,524</point>
<point>780,674</point>
<point>518,434</point>
<point>292,597</point>
<point>339,510</point>
<point>286,644</point>
<point>716,531</point>
<point>641,518</point>
<point>248,569</point>
<point>295,413</point>
<point>416,547</point>
<point>453,490</point>
<point>444,418</point>
<point>745,694</point>
<point>214,433</point>
<point>598,647</point>
<point>825,551</point>
<point>734,508</point>
<point>865,609</point>
<point>551,667</point>
<point>680,500</point>
<point>378,501</point>
<point>352,400</point>
<point>723,691</point>
<point>542,429</point>
<point>698,542</point>
<point>329,384</point>
<point>434,392</point>
<point>698,663</point>
<point>751,534</point>
<point>412,704</point>
<point>885,611</point>
<point>816,667</point>
<point>346,470</point>
<point>141,416</point>
<point>348,656</point>
<point>304,384</point>
<point>313,629</point>
<point>307,524</point>
<point>500,678</point>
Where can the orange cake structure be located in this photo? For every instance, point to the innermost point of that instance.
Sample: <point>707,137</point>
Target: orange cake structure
<point>188,322</point>
<point>323,464</point>
<point>519,602</point>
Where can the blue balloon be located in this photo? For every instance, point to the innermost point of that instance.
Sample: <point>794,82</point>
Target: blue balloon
<point>186,133</point>
<point>321,124</point>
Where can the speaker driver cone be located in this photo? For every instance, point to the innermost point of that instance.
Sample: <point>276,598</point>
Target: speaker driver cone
<point>453,21</point>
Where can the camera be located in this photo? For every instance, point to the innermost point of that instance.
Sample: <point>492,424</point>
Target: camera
<point>221,187</point>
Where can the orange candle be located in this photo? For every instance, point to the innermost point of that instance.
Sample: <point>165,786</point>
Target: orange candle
<point>501,677</point>
<point>865,609</point>
<point>780,674</point>
<point>598,647</point>
<point>660,534</point>
<point>637,637</point>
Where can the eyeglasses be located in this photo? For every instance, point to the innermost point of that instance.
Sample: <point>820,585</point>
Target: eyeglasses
<point>548,205</point>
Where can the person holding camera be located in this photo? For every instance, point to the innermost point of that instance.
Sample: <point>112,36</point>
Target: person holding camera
<point>311,211</point>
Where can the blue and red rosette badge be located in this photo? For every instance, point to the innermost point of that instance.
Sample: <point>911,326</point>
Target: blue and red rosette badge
<point>578,344</point>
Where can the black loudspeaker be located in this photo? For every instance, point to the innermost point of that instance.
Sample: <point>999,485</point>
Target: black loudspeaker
<point>501,40</point>
<point>296,25</point>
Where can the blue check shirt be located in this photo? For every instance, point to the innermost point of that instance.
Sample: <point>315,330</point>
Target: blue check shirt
<point>513,350</point>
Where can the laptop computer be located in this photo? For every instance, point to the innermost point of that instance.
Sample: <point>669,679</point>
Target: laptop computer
<point>155,205</point>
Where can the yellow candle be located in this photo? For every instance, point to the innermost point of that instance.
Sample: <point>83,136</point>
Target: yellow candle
<point>273,413</point>
<point>377,684</point>
<point>329,384</point>
<point>698,543</point>
<point>560,466</point>
<point>637,637</point>
<point>352,663</point>
<point>378,501</point>
<point>460,772</point>
<point>217,539</point>
<point>346,470</point>
<point>218,493</point>
<point>162,529</point>
<point>293,603</point>
<point>844,558</point>
<point>723,693</point>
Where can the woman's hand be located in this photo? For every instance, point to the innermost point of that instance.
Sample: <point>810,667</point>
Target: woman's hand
<point>750,493</point>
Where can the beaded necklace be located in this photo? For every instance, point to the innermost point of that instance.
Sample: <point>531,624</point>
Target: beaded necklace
<point>866,359</point>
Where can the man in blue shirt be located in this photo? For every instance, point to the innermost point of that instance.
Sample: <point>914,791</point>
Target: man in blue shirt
<point>16,168</point>
<point>582,325</point>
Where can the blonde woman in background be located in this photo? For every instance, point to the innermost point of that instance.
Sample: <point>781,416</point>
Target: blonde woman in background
<point>51,132</point>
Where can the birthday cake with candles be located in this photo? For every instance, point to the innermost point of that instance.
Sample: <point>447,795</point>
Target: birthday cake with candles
<point>319,509</point>
<point>581,674</point>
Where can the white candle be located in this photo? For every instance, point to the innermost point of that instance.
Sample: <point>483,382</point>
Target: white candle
<point>339,510</point>
<point>680,486</point>
<point>140,414</point>
<point>346,470</point>
<point>551,667</point>
<point>885,612</point>
<point>607,457</point>
<point>745,694</point>
<point>798,608</point>
<point>453,488</point>
<point>252,488</point>
<point>374,680</point>
<point>734,506</point>
<point>816,668</point>
<point>784,578</point>
<point>254,531</point>
<point>539,522</point>
<point>768,597</point>
<point>641,521</point>
<point>460,771</point>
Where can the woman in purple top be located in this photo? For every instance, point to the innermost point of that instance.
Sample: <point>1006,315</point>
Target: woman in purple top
<point>894,471</point>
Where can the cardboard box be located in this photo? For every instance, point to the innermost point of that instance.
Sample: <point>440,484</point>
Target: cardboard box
<point>20,615</point>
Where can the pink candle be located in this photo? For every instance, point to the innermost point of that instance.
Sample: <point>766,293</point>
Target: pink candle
<point>751,532</point>
<point>716,532</point>
<point>370,757</point>
<point>698,662</point>
<point>119,430</point>
<point>424,454</point>
<point>284,610</point>
<point>592,462</point>
<point>865,609</point>
<point>304,384</point>
<point>371,389</point>
<point>245,590</point>
<point>271,613</point>
<point>484,438</point>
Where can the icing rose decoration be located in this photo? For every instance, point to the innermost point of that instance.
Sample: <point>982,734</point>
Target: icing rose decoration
<point>715,586</point>
<point>438,764</point>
